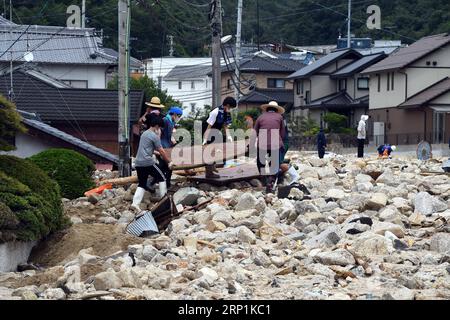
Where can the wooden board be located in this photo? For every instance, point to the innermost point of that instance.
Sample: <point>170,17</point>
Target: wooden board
<point>197,156</point>
<point>240,173</point>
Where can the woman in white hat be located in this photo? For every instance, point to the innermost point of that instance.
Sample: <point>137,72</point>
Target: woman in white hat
<point>154,107</point>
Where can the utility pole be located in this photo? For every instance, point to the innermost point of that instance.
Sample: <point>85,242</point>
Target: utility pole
<point>257,23</point>
<point>124,88</point>
<point>216,26</point>
<point>83,14</point>
<point>171,51</point>
<point>238,50</point>
<point>349,24</point>
<point>11,86</point>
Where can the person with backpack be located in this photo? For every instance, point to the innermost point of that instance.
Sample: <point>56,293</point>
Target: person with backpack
<point>219,118</point>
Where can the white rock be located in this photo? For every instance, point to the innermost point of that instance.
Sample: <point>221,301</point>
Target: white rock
<point>246,201</point>
<point>339,257</point>
<point>246,235</point>
<point>54,294</point>
<point>187,196</point>
<point>440,242</point>
<point>336,194</point>
<point>107,280</point>
<point>370,245</point>
<point>224,217</point>
<point>209,275</point>
<point>377,201</point>
<point>382,227</point>
<point>76,220</point>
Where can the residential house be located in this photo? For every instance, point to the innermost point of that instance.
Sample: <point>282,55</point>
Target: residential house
<point>41,136</point>
<point>74,56</point>
<point>191,85</point>
<point>319,87</point>
<point>158,68</point>
<point>87,114</point>
<point>410,93</point>
<point>262,79</point>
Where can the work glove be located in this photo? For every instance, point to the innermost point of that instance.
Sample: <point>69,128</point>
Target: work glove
<point>230,139</point>
<point>204,142</point>
<point>170,165</point>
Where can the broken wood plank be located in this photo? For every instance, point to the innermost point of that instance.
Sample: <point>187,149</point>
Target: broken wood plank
<point>96,294</point>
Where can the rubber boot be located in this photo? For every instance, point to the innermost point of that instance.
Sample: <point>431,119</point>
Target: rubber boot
<point>162,189</point>
<point>137,199</point>
<point>293,174</point>
<point>209,173</point>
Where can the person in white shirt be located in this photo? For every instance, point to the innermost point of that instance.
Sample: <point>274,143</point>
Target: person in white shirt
<point>362,135</point>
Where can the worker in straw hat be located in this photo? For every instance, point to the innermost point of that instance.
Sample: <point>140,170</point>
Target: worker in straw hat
<point>154,107</point>
<point>270,133</point>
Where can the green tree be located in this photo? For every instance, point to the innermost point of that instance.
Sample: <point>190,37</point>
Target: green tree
<point>10,124</point>
<point>149,87</point>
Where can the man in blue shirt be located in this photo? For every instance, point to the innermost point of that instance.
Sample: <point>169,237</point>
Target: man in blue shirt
<point>170,120</point>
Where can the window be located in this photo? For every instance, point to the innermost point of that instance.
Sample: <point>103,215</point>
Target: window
<point>392,81</point>
<point>193,107</point>
<point>388,81</point>
<point>363,83</point>
<point>379,82</point>
<point>275,83</point>
<point>342,84</point>
<point>192,84</point>
<point>300,87</point>
<point>79,84</point>
<point>180,85</point>
<point>307,97</point>
<point>229,84</point>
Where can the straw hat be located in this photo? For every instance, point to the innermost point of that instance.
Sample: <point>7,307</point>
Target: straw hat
<point>273,104</point>
<point>155,103</point>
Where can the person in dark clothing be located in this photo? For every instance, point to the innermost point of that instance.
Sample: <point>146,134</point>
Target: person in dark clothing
<point>270,131</point>
<point>321,143</point>
<point>154,108</point>
<point>219,118</point>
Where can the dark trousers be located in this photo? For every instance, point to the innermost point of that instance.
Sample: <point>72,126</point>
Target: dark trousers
<point>361,147</point>
<point>321,151</point>
<point>165,169</point>
<point>155,171</point>
<point>261,159</point>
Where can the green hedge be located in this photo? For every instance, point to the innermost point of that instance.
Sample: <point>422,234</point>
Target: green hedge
<point>72,170</point>
<point>33,198</point>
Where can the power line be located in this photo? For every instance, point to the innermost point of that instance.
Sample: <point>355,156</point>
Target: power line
<point>204,5</point>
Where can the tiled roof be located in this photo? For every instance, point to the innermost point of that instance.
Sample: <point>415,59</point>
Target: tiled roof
<point>136,63</point>
<point>5,21</point>
<point>324,62</point>
<point>263,64</point>
<point>85,147</point>
<point>282,96</point>
<point>52,45</point>
<point>358,65</point>
<point>61,104</point>
<point>408,55</point>
<point>427,95</point>
<point>188,72</point>
<point>338,100</point>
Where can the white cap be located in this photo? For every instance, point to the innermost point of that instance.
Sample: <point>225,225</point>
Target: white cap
<point>393,148</point>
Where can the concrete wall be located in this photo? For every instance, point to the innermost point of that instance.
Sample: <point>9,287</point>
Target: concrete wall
<point>13,254</point>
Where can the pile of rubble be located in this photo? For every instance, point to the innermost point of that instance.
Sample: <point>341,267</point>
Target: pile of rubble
<point>369,229</point>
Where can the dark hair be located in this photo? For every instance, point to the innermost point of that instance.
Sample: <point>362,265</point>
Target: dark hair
<point>152,120</point>
<point>229,101</point>
<point>271,109</point>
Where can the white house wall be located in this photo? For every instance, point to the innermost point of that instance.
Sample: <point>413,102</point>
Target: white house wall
<point>95,75</point>
<point>27,146</point>
<point>200,96</point>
